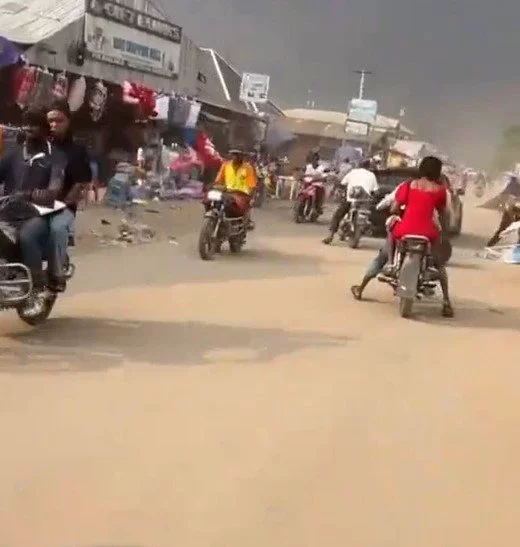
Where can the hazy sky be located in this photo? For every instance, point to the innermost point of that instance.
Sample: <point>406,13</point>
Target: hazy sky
<point>454,65</point>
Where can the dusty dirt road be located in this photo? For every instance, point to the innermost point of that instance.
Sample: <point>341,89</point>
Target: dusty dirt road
<point>251,402</point>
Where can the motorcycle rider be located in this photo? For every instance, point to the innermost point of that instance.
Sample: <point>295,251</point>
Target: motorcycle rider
<point>78,175</point>
<point>33,173</point>
<point>421,198</point>
<point>238,176</point>
<point>362,177</point>
<point>318,170</point>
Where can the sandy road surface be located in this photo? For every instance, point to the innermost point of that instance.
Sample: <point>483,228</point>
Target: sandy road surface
<point>251,402</point>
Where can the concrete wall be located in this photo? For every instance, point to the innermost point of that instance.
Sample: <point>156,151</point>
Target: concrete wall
<point>56,53</point>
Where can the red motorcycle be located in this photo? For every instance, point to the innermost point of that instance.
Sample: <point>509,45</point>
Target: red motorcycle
<point>308,206</point>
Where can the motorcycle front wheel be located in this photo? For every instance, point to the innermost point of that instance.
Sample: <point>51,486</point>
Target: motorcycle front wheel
<point>354,237</point>
<point>207,244</point>
<point>35,320</point>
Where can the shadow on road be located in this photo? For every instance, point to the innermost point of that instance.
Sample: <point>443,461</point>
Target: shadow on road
<point>77,344</point>
<point>475,315</point>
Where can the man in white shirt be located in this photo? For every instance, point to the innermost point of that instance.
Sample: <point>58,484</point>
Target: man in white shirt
<point>362,177</point>
<point>315,169</point>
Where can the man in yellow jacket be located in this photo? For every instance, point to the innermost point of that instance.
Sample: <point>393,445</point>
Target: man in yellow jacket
<point>239,176</point>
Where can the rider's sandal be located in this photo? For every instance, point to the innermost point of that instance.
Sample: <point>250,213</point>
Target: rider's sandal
<point>447,310</point>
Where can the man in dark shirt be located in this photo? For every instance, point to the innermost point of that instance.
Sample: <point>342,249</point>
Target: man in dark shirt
<point>78,175</point>
<point>33,173</point>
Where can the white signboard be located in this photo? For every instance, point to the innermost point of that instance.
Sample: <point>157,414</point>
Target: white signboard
<point>254,88</point>
<point>125,37</point>
<point>361,115</point>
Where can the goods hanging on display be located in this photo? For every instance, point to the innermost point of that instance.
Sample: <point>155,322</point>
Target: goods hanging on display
<point>60,89</point>
<point>42,96</point>
<point>142,97</point>
<point>98,101</point>
<point>24,83</point>
<point>77,94</point>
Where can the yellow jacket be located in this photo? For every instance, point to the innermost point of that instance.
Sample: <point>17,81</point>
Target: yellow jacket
<point>242,179</point>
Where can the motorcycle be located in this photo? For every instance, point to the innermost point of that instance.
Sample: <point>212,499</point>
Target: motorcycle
<point>356,222</point>
<point>308,204</point>
<point>16,284</point>
<point>414,273</point>
<point>224,220</point>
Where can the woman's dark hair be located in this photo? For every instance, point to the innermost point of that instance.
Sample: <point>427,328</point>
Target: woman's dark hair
<point>35,118</point>
<point>365,164</point>
<point>61,105</point>
<point>431,169</point>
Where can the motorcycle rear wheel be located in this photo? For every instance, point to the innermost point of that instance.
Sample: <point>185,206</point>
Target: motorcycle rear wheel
<point>405,307</point>
<point>207,244</point>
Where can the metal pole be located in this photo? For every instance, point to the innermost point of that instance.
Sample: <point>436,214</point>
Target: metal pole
<point>362,77</point>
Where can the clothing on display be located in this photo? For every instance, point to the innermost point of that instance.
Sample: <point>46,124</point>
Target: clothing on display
<point>193,115</point>
<point>77,94</point>
<point>24,83</point>
<point>161,107</point>
<point>42,96</point>
<point>98,101</point>
<point>60,89</point>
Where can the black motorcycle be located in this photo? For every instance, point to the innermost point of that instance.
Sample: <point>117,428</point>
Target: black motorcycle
<point>356,223</point>
<point>223,221</point>
<point>16,283</point>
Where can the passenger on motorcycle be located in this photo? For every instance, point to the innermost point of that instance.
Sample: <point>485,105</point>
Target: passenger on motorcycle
<point>238,177</point>
<point>361,177</point>
<point>421,198</point>
<point>33,173</point>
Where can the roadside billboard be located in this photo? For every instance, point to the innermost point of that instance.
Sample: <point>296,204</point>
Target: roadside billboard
<point>361,115</point>
<point>254,88</point>
<point>126,37</point>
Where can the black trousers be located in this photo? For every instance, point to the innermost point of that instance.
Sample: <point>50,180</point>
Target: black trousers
<point>339,213</point>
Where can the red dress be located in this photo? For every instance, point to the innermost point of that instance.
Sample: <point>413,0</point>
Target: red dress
<point>418,214</point>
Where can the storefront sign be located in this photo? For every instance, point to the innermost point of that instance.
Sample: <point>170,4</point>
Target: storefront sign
<point>125,37</point>
<point>254,88</point>
<point>361,115</point>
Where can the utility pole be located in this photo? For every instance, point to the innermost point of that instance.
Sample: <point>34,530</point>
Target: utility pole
<point>362,76</point>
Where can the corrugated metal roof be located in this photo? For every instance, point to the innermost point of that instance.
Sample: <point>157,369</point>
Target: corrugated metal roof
<point>33,21</point>
<point>332,116</point>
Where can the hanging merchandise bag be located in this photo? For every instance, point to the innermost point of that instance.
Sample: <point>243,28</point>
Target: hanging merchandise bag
<point>98,101</point>
<point>77,94</point>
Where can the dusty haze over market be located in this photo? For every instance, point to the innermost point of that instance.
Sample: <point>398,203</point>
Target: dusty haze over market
<point>453,65</point>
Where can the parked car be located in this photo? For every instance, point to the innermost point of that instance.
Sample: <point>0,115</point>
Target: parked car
<point>389,179</point>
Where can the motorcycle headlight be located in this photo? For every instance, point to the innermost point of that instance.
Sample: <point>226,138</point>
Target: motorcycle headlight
<point>214,195</point>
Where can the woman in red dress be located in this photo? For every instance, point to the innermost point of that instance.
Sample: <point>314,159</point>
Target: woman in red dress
<point>421,198</point>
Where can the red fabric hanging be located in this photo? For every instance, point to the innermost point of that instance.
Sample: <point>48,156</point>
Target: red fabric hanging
<point>24,83</point>
<point>141,96</point>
